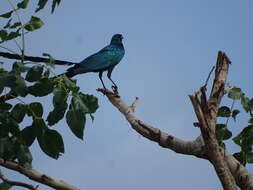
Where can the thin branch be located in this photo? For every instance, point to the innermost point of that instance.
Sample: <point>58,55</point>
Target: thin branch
<point>34,59</point>
<point>209,75</point>
<point>37,176</point>
<point>8,49</point>
<point>22,30</point>
<point>17,183</point>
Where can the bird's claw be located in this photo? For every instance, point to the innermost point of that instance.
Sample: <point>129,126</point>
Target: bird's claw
<point>115,90</point>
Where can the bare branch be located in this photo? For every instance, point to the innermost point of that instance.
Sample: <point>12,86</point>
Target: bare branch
<point>154,134</point>
<point>34,59</point>
<point>206,112</point>
<point>17,183</point>
<point>37,176</point>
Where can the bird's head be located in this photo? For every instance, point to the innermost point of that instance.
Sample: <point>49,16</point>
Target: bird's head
<point>117,39</point>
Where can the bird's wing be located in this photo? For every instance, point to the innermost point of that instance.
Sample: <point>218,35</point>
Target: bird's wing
<point>101,60</point>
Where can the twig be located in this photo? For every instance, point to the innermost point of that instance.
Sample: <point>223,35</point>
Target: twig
<point>22,30</point>
<point>17,183</point>
<point>209,75</point>
<point>34,59</point>
<point>8,49</point>
<point>134,104</point>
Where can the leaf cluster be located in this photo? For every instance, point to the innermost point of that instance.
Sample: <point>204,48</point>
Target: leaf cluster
<point>245,138</point>
<point>24,80</point>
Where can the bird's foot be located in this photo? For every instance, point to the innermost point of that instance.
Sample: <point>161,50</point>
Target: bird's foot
<point>108,92</point>
<point>115,90</point>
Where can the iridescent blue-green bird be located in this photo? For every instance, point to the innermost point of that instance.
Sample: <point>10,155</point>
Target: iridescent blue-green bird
<point>104,60</point>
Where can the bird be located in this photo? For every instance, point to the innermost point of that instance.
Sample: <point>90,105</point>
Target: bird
<point>104,60</point>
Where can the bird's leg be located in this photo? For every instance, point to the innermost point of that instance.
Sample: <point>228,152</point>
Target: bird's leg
<point>100,77</point>
<point>114,87</point>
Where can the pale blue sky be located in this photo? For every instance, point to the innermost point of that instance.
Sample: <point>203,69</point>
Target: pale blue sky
<point>170,48</point>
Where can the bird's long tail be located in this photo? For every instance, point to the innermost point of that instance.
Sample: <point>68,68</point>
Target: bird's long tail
<point>69,74</point>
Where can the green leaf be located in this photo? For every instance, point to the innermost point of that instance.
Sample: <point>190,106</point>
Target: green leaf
<point>3,35</point>
<point>24,156</point>
<point>57,114</point>
<point>251,104</point>
<point>245,103</point>
<point>8,24</point>
<point>234,114</point>
<point>20,87</point>
<point>250,157</point>
<point>19,67</point>
<point>39,126</point>
<point>36,108</point>
<point>7,148</point>
<point>6,15</point>
<point>51,143</point>
<point>90,101</point>
<point>18,112</point>
<point>41,5</point>
<point>28,135</point>
<point>235,93</point>
<point>70,84</point>
<point>227,134</point>
<point>5,186</point>
<point>15,25</point>
<point>13,126</point>
<point>224,111</point>
<point>60,95</point>
<point>76,121</point>
<point>251,120</point>
<point>222,133</point>
<point>7,80</point>
<point>34,73</point>
<point>5,106</point>
<point>237,139</point>
<point>34,24</point>
<point>13,35</point>
<point>78,104</point>
<point>60,106</point>
<point>42,88</point>
<point>245,139</point>
<point>23,4</point>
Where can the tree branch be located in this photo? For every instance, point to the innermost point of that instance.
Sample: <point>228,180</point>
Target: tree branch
<point>154,134</point>
<point>17,183</point>
<point>34,59</point>
<point>243,178</point>
<point>37,176</point>
<point>206,112</point>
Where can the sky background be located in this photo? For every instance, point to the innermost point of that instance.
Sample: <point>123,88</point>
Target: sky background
<point>170,48</point>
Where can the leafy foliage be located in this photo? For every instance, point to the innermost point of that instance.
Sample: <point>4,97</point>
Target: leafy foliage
<point>245,138</point>
<point>22,81</point>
